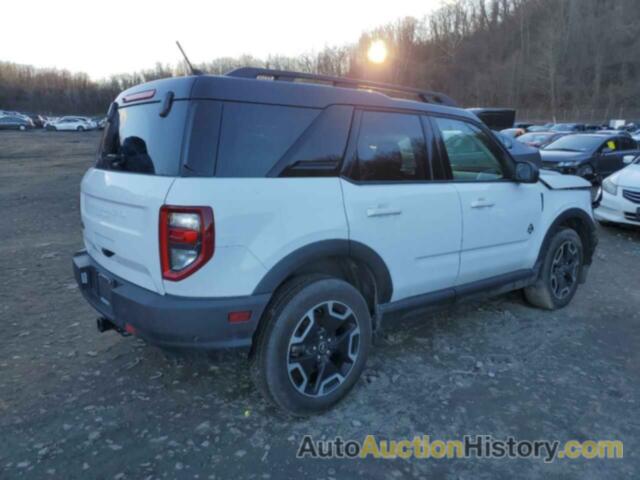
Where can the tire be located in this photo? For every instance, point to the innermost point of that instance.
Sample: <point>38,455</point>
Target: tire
<point>300,363</point>
<point>80,129</point>
<point>560,273</point>
<point>22,128</point>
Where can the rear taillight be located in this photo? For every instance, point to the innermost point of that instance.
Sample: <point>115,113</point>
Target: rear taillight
<point>186,240</point>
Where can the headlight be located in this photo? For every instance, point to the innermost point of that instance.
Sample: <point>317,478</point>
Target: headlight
<point>567,164</point>
<point>610,187</point>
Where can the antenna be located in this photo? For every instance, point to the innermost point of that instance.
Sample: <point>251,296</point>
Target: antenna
<point>194,71</point>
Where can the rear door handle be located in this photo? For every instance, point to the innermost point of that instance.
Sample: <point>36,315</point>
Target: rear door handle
<point>482,203</point>
<point>383,212</point>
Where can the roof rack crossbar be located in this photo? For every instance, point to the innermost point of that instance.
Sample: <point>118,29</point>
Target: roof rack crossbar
<point>423,95</point>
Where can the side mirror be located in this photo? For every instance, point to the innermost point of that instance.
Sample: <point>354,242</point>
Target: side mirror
<point>628,159</point>
<point>526,172</point>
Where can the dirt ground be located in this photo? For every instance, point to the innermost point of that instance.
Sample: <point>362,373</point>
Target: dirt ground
<point>78,404</point>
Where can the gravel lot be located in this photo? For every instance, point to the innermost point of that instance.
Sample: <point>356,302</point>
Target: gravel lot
<point>78,404</point>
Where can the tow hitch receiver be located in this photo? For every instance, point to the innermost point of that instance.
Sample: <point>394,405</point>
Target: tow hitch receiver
<point>104,325</point>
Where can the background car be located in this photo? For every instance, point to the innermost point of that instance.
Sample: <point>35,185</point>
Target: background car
<point>540,139</point>
<point>589,153</point>
<point>622,133</point>
<point>539,128</point>
<point>568,127</point>
<point>100,122</point>
<point>520,151</point>
<point>621,196</point>
<point>495,118</point>
<point>14,122</point>
<point>513,132</point>
<point>38,120</point>
<point>79,124</point>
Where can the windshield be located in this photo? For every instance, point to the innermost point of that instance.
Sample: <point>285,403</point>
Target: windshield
<point>564,127</point>
<point>534,137</point>
<point>575,143</point>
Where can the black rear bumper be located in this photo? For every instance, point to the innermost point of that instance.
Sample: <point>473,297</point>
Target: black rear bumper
<point>167,320</point>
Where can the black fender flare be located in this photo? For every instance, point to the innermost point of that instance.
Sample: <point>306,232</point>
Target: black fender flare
<point>589,237</point>
<point>326,249</point>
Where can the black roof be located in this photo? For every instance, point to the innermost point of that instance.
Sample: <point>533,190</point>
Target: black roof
<point>314,91</point>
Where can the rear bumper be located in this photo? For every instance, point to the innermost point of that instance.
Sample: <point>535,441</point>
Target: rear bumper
<point>167,320</point>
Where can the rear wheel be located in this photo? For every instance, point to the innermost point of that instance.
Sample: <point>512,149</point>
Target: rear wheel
<point>22,128</point>
<point>560,272</point>
<point>80,129</point>
<point>313,345</point>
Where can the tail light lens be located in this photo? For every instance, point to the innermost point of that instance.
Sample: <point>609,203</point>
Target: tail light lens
<point>186,240</point>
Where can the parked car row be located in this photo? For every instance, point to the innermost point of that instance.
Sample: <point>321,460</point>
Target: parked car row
<point>594,152</point>
<point>589,151</point>
<point>520,128</point>
<point>11,120</point>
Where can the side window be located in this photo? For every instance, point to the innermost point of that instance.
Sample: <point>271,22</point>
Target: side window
<point>470,152</point>
<point>253,137</point>
<point>611,144</point>
<point>391,146</point>
<point>627,143</point>
<point>319,151</point>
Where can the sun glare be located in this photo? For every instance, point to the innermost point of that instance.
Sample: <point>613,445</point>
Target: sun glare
<point>377,52</point>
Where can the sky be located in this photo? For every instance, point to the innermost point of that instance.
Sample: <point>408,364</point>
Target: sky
<point>116,36</point>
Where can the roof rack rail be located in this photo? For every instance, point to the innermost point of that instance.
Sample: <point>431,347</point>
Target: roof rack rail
<point>265,73</point>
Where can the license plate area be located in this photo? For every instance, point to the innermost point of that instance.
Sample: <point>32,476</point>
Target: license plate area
<point>104,285</point>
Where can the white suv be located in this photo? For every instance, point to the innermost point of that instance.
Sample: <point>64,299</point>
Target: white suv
<point>292,218</point>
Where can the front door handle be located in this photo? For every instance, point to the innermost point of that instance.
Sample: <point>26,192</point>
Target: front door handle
<point>383,212</point>
<point>482,203</point>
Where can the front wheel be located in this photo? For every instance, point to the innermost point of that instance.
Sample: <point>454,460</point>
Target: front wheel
<point>80,129</point>
<point>560,272</point>
<point>22,128</point>
<point>313,346</point>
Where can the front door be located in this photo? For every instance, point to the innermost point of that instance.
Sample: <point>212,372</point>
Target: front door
<point>499,216</point>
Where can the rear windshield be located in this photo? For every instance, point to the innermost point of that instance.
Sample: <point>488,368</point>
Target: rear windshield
<point>139,140</point>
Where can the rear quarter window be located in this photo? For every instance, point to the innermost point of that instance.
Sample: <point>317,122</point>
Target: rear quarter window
<point>253,137</point>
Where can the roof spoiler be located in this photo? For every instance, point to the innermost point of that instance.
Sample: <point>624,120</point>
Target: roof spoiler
<point>426,96</point>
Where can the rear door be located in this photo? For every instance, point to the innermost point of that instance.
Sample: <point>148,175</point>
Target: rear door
<point>395,207</point>
<point>139,158</point>
<point>499,216</point>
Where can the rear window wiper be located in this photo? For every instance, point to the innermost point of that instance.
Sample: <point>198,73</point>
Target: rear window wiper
<point>113,160</point>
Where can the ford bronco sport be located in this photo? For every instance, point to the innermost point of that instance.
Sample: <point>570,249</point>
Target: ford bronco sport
<point>290,214</point>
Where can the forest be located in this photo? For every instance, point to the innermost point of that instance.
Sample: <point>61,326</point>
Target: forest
<point>550,59</point>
